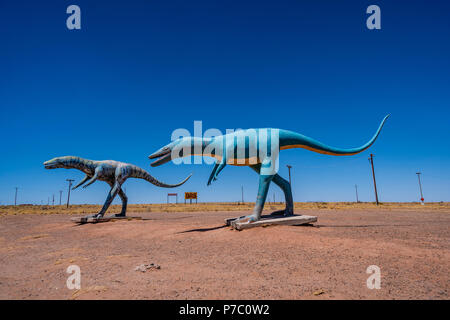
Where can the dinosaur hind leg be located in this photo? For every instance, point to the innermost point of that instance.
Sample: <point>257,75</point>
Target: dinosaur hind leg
<point>264,183</point>
<point>124,199</point>
<point>109,199</point>
<point>286,187</point>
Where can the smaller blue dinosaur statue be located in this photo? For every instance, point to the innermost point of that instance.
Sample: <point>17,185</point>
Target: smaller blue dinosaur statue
<point>112,172</point>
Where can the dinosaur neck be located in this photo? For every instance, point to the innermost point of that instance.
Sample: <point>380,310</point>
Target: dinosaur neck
<point>85,165</point>
<point>201,147</point>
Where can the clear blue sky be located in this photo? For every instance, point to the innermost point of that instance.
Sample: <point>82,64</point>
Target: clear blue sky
<point>137,70</point>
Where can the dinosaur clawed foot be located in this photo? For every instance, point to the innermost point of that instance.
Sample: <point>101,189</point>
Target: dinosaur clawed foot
<point>245,219</point>
<point>95,216</point>
<point>278,213</point>
<point>286,213</point>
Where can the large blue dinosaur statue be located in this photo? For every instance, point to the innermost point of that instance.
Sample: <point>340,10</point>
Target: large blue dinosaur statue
<point>256,148</point>
<point>112,172</point>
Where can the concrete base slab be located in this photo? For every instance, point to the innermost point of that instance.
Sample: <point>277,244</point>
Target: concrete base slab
<point>271,220</point>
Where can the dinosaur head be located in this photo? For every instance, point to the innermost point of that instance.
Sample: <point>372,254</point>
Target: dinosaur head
<point>59,162</point>
<point>179,148</point>
<point>184,147</point>
<point>164,154</point>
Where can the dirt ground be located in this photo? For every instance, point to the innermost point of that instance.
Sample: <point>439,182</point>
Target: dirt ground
<point>200,258</point>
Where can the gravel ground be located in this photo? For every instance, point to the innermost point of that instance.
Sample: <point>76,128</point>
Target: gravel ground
<point>194,256</point>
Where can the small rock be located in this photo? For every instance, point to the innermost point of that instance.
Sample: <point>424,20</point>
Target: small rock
<point>318,292</point>
<point>141,268</point>
<point>145,267</point>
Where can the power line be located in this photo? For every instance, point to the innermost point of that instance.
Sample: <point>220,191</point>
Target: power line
<point>374,181</point>
<point>68,193</point>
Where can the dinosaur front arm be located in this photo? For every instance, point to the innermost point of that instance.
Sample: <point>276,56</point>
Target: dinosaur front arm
<point>86,178</point>
<point>217,168</point>
<point>93,179</point>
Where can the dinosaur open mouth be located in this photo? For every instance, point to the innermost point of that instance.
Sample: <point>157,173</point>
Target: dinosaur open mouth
<point>162,157</point>
<point>50,165</point>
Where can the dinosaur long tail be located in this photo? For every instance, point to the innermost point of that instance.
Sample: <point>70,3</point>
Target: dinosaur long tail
<point>290,140</point>
<point>142,174</point>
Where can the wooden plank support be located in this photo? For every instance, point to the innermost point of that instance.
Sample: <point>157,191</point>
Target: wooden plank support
<point>82,220</point>
<point>270,220</point>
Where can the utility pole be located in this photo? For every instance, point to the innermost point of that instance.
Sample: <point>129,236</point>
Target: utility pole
<point>242,192</point>
<point>290,184</point>
<point>356,188</point>
<point>289,168</point>
<point>420,187</point>
<point>53,200</point>
<point>68,193</point>
<point>374,181</point>
<point>15,198</point>
<point>60,196</point>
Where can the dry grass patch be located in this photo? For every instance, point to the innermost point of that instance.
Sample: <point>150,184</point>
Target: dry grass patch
<point>220,206</point>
